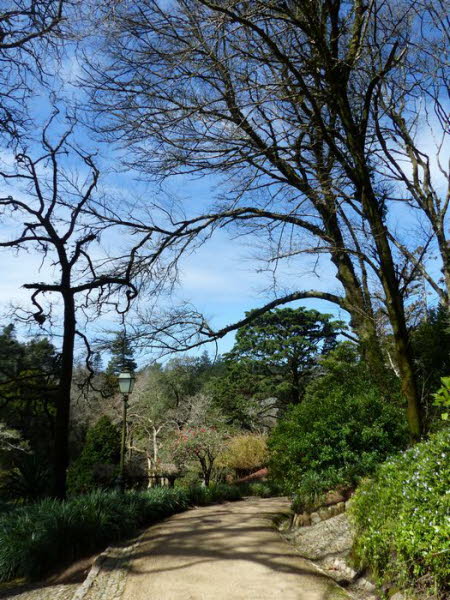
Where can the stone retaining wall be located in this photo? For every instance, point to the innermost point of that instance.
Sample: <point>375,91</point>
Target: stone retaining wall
<point>322,514</point>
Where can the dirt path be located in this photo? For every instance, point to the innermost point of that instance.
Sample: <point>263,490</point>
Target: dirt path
<point>225,552</point>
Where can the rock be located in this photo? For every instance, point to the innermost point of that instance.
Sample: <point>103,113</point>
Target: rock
<point>325,538</point>
<point>324,513</point>
<point>302,520</point>
<point>364,584</point>
<point>340,507</point>
<point>315,518</point>
<point>363,589</point>
<point>339,570</point>
<point>334,497</point>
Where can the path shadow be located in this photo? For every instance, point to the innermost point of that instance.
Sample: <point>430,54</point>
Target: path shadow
<point>212,534</point>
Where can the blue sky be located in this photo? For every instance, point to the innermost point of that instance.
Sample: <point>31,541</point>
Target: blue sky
<point>220,279</point>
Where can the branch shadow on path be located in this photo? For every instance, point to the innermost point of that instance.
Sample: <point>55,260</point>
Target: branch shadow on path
<point>236,538</point>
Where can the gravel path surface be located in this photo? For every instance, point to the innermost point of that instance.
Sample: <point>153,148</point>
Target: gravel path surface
<point>225,552</point>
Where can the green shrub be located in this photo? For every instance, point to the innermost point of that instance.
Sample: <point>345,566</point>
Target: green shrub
<point>431,348</point>
<point>35,539</point>
<point>5,507</point>
<point>244,453</point>
<point>266,489</point>
<point>402,518</point>
<point>338,434</point>
<point>100,453</point>
<point>442,398</point>
<point>30,479</point>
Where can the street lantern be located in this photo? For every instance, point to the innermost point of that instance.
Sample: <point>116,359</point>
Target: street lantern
<point>126,384</point>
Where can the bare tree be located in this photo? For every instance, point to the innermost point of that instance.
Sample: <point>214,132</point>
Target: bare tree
<point>49,201</point>
<point>283,100</point>
<point>28,28</point>
<point>410,121</point>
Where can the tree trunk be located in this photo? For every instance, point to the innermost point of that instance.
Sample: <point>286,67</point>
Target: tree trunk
<point>207,477</point>
<point>357,304</point>
<point>373,210</point>
<point>395,308</point>
<point>61,457</point>
<point>150,472</point>
<point>123,442</point>
<point>155,446</point>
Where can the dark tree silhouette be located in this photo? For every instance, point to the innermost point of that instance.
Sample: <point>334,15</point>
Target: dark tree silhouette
<point>28,29</point>
<point>55,223</point>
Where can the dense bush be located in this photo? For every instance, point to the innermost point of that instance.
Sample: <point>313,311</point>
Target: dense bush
<point>30,479</point>
<point>402,518</point>
<point>202,495</point>
<point>244,453</point>
<point>97,464</point>
<point>35,539</point>
<point>263,489</point>
<point>431,348</point>
<point>342,430</point>
<point>5,507</point>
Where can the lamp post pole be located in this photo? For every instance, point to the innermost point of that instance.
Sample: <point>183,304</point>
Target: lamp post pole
<point>126,384</point>
<point>123,442</point>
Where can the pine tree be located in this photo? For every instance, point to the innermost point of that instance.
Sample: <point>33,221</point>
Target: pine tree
<point>122,355</point>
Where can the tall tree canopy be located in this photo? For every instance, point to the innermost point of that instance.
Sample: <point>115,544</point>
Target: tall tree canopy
<point>283,345</point>
<point>29,376</point>
<point>311,110</point>
<point>271,363</point>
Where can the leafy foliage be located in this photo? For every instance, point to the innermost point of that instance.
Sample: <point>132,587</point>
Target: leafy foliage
<point>281,348</point>
<point>102,448</point>
<point>340,433</point>
<point>244,453</point>
<point>31,478</point>
<point>267,489</point>
<point>184,378</point>
<point>402,518</point>
<point>122,355</point>
<point>10,440</point>
<point>37,538</point>
<point>273,359</point>
<point>200,444</point>
<point>28,382</point>
<point>245,399</point>
<point>431,346</point>
<point>442,397</point>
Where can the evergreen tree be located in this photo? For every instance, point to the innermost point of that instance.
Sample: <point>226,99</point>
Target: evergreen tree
<point>274,356</point>
<point>122,355</point>
<point>29,374</point>
<point>96,465</point>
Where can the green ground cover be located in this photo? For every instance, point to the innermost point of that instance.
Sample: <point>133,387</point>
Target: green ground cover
<point>402,518</point>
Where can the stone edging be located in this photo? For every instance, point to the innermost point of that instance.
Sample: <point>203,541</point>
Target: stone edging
<point>322,514</point>
<point>116,554</point>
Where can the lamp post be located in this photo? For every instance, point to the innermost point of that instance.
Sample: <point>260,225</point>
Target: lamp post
<point>126,384</point>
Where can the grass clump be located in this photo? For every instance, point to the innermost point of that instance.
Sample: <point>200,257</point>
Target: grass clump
<point>35,539</point>
<point>402,518</point>
<point>202,496</point>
